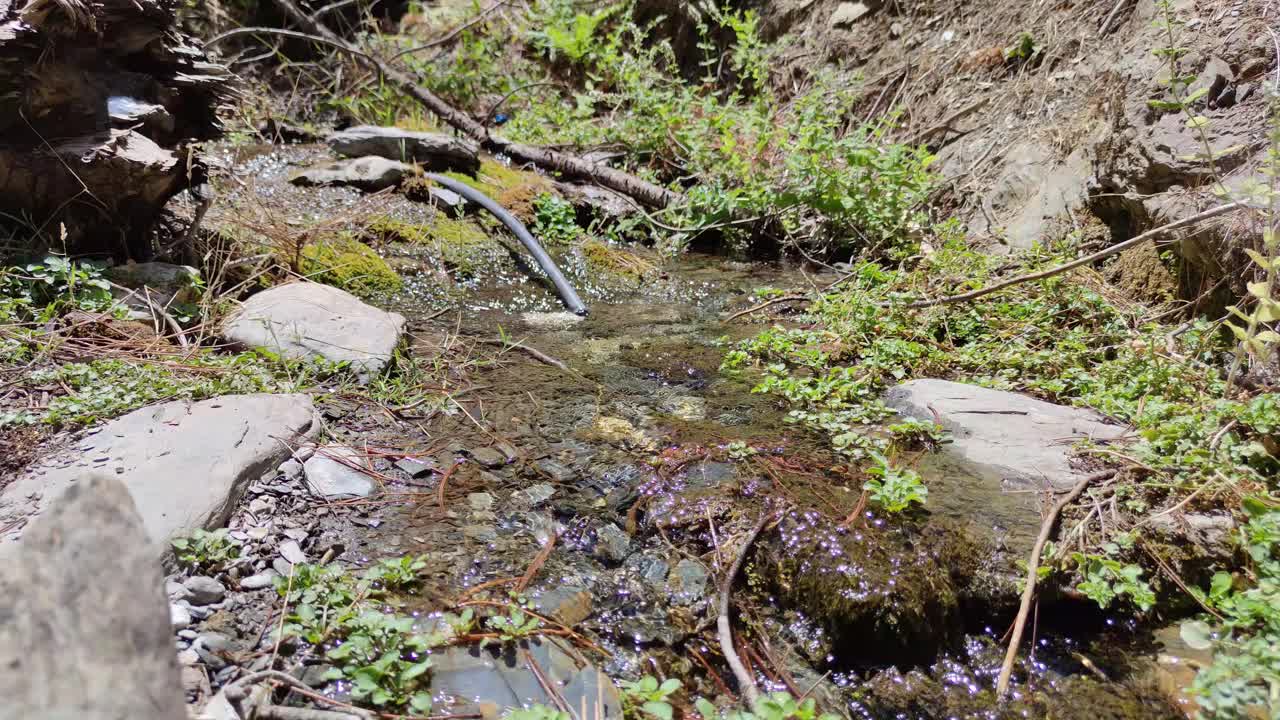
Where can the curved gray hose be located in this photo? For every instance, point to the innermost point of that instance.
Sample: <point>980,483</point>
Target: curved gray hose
<point>567,294</point>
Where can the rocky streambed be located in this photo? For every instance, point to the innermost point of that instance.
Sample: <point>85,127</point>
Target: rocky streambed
<point>596,474</point>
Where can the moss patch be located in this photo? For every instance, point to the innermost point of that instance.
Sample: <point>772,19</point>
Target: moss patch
<point>515,190</point>
<point>617,261</point>
<point>344,262</point>
<point>459,244</point>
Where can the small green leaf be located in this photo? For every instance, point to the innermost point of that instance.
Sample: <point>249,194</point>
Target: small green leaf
<point>1198,122</point>
<point>660,710</point>
<point>1196,634</point>
<point>705,709</point>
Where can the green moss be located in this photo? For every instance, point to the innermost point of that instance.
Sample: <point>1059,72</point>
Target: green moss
<point>515,190</point>
<point>616,261</point>
<point>459,244</point>
<point>344,262</point>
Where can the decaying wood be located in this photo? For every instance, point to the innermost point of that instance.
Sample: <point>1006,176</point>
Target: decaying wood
<point>101,101</point>
<point>568,166</point>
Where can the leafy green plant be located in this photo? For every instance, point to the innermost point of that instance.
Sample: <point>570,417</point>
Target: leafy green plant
<point>1242,682</point>
<point>382,656</point>
<point>1107,579</point>
<point>774,706</point>
<point>893,488</point>
<point>739,450</point>
<point>577,40</point>
<point>554,220</point>
<point>1024,49</point>
<point>1255,339</point>
<point>647,696</point>
<point>56,285</point>
<point>515,625</point>
<point>206,550</point>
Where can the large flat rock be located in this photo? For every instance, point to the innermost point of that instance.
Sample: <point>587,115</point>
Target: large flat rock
<point>434,151</point>
<point>366,173</point>
<point>309,320</point>
<point>84,624</point>
<point>495,680</point>
<point>1026,441</point>
<point>185,464</point>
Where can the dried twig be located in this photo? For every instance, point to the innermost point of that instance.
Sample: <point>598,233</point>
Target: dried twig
<point>1088,259</point>
<point>750,692</point>
<point>531,352</point>
<point>1033,563</point>
<point>767,304</point>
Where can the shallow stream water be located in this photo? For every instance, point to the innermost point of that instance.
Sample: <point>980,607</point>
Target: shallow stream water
<point>642,467</point>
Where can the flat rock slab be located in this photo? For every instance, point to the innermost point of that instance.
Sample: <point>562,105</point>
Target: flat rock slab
<point>1025,440</point>
<point>495,680</point>
<point>84,626</point>
<point>185,464</point>
<point>309,320</point>
<point>366,173</point>
<point>333,473</point>
<point>434,151</point>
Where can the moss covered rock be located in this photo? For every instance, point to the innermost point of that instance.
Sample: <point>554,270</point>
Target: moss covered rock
<point>344,262</point>
<point>895,592</point>
<point>515,190</point>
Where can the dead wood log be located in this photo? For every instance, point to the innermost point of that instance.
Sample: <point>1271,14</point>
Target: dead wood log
<point>99,102</point>
<point>567,166</point>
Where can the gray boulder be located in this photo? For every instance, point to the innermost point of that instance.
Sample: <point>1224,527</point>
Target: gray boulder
<point>84,628</point>
<point>1025,440</point>
<point>333,475</point>
<point>166,282</point>
<point>366,173</point>
<point>185,464</point>
<point>434,151</point>
<point>309,320</point>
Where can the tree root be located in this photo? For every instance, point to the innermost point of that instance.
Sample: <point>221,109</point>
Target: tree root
<point>1033,563</point>
<point>750,692</point>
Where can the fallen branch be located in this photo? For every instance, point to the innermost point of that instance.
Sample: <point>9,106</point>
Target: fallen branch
<point>766,304</point>
<point>746,683</point>
<point>568,166</point>
<point>531,352</point>
<point>1033,563</point>
<point>1088,259</point>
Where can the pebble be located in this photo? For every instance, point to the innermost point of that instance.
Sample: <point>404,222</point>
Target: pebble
<point>281,566</point>
<point>291,469</point>
<point>175,590</point>
<point>210,646</point>
<point>559,473</point>
<point>612,543</point>
<point>259,581</point>
<point>297,534</point>
<point>290,551</point>
<point>488,457</point>
<point>536,494</point>
<point>204,590</point>
<point>179,616</point>
<point>257,533</point>
<point>188,634</point>
<point>687,582</point>
<point>652,570</point>
<point>188,657</point>
<point>416,468</point>
<point>480,502</point>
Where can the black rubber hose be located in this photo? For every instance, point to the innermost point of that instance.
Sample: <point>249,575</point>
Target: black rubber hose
<point>567,294</point>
